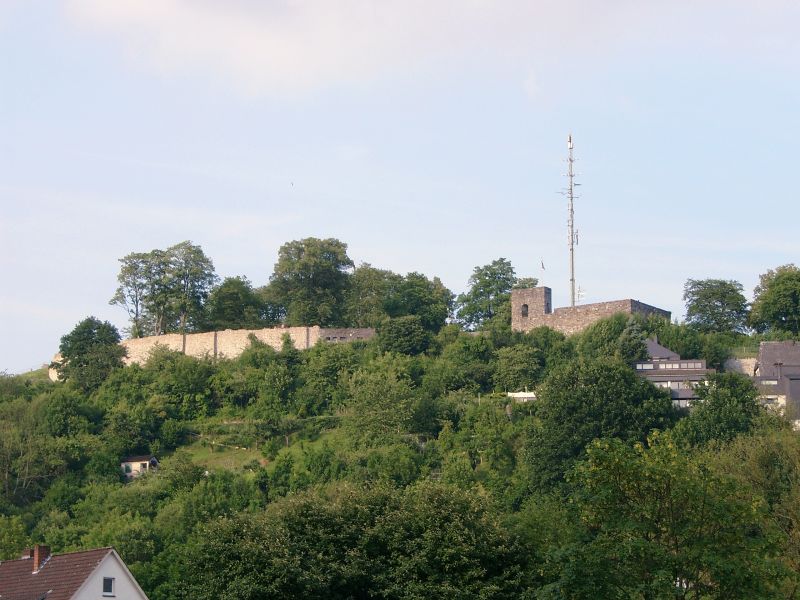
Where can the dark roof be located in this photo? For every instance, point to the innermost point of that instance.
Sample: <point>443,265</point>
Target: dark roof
<point>658,352</point>
<point>143,458</point>
<point>61,575</point>
<point>785,353</point>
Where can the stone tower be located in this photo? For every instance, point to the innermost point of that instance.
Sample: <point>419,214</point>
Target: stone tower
<point>528,307</point>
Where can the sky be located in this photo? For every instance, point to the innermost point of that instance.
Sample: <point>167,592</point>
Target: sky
<point>429,136</point>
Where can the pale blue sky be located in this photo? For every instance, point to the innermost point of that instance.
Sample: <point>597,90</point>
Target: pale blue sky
<point>429,136</point>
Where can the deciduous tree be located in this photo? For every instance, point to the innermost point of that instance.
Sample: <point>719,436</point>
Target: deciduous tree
<point>89,353</point>
<point>715,305</point>
<point>310,281</point>
<point>776,305</point>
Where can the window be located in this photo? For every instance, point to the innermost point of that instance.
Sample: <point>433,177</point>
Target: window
<point>143,466</point>
<point>108,586</point>
<point>524,311</point>
<point>127,467</point>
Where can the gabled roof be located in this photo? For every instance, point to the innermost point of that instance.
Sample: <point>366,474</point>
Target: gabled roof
<point>57,579</point>
<point>658,352</point>
<point>779,358</point>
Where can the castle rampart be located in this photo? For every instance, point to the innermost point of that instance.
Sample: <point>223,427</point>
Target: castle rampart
<point>230,343</point>
<point>531,308</point>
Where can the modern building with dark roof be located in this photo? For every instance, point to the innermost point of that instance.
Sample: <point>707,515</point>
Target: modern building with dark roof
<point>87,575</point>
<point>667,370</point>
<point>777,377</point>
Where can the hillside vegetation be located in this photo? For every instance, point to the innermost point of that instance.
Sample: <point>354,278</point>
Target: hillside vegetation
<point>398,467</point>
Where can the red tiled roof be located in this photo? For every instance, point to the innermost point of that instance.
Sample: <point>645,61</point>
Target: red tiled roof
<point>58,578</point>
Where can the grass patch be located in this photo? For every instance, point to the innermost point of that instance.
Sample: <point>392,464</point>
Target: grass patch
<point>215,457</point>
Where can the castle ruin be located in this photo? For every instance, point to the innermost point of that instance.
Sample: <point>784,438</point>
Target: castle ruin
<point>533,307</point>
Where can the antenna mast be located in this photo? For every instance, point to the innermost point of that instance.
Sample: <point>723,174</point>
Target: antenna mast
<point>573,236</point>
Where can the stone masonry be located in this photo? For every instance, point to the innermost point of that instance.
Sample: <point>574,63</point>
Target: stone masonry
<point>532,307</point>
<point>230,343</point>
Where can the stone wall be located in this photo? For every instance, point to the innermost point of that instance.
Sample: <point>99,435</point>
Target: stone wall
<point>232,342</point>
<point>571,319</point>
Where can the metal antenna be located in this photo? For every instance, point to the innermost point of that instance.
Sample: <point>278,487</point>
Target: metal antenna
<point>573,235</point>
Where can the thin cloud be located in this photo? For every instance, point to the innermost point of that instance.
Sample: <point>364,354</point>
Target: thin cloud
<point>289,48</point>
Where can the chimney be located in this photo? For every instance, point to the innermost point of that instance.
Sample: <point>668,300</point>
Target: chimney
<point>40,556</point>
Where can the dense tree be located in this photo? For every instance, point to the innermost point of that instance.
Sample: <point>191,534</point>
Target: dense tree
<point>590,399</point>
<point>404,335</point>
<point>517,367</point>
<point>368,294</point>
<point>428,541</point>
<point>715,305</point>
<point>192,274</point>
<point>489,287</point>
<point>89,353</point>
<point>13,538</point>
<point>426,298</point>
<point>776,305</point>
<point>164,290</point>
<point>381,399</point>
<point>662,525</point>
<point>619,335</point>
<point>726,406</point>
<point>234,304</point>
<point>310,280</point>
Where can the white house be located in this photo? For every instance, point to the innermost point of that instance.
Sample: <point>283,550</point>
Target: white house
<point>88,575</point>
<point>133,466</point>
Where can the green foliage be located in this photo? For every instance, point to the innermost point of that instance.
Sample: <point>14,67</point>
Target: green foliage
<point>590,399</point>
<point>490,287</point>
<point>429,541</point>
<point>517,367</point>
<point>165,290</point>
<point>310,280</point>
<point>426,298</point>
<point>776,306</point>
<point>404,335</point>
<point>688,342</point>
<point>727,406</point>
<point>715,305</point>
<point>13,538</point>
<point>234,304</point>
<point>619,336</point>
<point>89,353</point>
<point>368,294</point>
<point>661,524</point>
<point>381,399</point>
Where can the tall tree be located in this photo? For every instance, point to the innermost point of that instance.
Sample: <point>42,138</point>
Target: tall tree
<point>776,305</point>
<point>310,281</point>
<point>164,290</point>
<point>367,295</point>
<point>489,290</point>
<point>132,291</point>
<point>192,274</point>
<point>234,304</point>
<point>715,305</point>
<point>428,299</point>
<point>89,353</point>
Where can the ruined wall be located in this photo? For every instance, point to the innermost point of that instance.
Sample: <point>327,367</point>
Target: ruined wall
<point>569,320</point>
<point>232,342</point>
